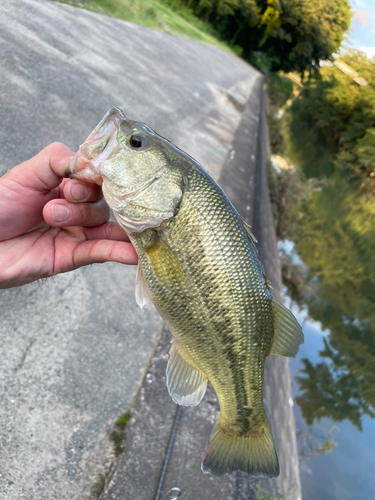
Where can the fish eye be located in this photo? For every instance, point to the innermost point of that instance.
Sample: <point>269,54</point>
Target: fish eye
<point>137,141</point>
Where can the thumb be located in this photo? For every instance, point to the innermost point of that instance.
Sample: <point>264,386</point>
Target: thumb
<point>44,171</point>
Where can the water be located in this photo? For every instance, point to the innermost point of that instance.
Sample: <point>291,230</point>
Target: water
<point>347,473</point>
<point>174,493</point>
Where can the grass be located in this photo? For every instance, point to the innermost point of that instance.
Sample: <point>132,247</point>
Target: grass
<point>117,437</point>
<point>263,494</point>
<point>169,16</point>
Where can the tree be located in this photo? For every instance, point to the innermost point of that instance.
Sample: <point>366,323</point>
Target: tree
<point>279,91</point>
<point>294,34</point>
<point>331,126</point>
<point>297,34</point>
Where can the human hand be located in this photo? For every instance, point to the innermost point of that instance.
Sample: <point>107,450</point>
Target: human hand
<point>51,225</point>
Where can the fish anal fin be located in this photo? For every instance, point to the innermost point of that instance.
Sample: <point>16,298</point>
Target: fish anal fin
<point>185,384</point>
<point>288,333</point>
<point>142,297</point>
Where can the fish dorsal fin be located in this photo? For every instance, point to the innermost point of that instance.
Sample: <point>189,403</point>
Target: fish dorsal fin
<point>253,241</point>
<point>185,384</point>
<point>288,332</point>
<point>249,233</point>
<point>142,297</point>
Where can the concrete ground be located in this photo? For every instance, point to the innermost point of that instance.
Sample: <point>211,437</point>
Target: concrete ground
<point>74,349</point>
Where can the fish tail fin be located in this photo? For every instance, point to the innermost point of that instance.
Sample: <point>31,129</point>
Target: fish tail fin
<point>253,453</point>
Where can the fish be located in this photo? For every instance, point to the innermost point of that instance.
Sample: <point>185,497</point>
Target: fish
<point>199,265</point>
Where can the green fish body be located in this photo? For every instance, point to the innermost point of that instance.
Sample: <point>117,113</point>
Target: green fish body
<point>199,265</point>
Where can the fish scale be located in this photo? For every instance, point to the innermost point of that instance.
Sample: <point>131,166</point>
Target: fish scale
<point>199,265</point>
<point>234,319</point>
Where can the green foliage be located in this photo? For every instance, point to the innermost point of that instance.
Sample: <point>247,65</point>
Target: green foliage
<point>299,33</point>
<point>309,446</point>
<point>289,193</point>
<point>295,34</point>
<point>327,447</point>
<point>122,421</point>
<point>306,144</point>
<point>171,16</point>
<point>295,277</point>
<point>97,488</point>
<point>117,436</point>
<point>359,161</point>
<point>279,90</point>
<point>263,494</point>
<point>331,126</point>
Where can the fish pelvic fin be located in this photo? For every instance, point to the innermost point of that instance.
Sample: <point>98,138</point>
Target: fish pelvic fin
<point>253,453</point>
<point>142,297</point>
<point>288,332</point>
<point>186,385</point>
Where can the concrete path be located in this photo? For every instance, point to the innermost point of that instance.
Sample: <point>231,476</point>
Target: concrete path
<point>73,350</point>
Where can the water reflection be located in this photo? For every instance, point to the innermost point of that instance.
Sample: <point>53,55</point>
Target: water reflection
<point>339,293</point>
<point>339,388</point>
<point>346,472</point>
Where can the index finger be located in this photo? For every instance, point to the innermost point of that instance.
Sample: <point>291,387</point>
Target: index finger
<point>76,191</point>
<point>45,170</point>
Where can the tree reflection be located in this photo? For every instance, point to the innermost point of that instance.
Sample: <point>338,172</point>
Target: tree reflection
<point>331,135</point>
<point>340,293</point>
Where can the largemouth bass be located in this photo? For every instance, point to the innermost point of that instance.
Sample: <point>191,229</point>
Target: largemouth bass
<point>199,265</point>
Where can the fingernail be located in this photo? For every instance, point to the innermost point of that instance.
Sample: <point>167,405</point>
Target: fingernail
<point>60,213</point>
<point>79,192</point>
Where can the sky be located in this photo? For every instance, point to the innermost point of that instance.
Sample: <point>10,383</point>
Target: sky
<point>363,26</point>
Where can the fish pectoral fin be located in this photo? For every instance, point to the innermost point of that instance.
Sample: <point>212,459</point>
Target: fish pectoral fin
<point>165,265</point>
<point>142,297</point>
<point>288,332</point>
<point>185,384</point>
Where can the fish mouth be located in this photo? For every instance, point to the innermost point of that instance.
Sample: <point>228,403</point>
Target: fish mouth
<point>97,148</point>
